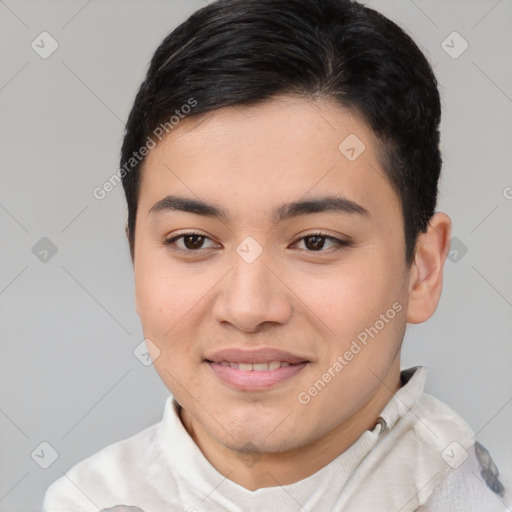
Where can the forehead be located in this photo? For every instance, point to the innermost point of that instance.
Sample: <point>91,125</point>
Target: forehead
<point>254,157</point>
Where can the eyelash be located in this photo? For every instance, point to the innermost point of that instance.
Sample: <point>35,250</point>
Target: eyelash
<point>340,244</point>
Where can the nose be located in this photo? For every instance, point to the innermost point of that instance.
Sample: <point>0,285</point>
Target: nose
<point>253,294</point>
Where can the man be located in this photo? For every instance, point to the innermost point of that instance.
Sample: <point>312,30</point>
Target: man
<point>280,165</point>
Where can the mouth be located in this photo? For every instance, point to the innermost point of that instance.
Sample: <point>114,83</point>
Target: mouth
<point>246,376</point>
<point>255,367</point>
<point>256,356</point>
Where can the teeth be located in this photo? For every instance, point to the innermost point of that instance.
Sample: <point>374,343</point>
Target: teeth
<point>273,365</point>
<point>256,367</point>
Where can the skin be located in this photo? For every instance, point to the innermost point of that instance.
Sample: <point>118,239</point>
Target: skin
<point>309,302</point>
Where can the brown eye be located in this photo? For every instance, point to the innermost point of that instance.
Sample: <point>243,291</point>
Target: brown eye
<point>193,241</point>
<point>187,242</point>
<point>315,242</point>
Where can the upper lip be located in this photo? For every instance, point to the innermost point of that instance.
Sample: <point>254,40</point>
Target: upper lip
<point>261,355</point>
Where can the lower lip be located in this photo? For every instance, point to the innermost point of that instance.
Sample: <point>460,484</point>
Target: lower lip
<point>254,380</point>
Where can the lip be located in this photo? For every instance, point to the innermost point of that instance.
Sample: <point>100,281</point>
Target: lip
<point>260,355</point>
<point>255,380</point>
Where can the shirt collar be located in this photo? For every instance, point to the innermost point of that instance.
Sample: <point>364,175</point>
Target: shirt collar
<point>413,385</point>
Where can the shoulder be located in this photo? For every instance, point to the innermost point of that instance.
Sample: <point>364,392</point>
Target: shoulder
<point>469,478</point>
<point>441,413</point>
<point>473,484</point>
<point>104,476</point>
<point>440,426</point>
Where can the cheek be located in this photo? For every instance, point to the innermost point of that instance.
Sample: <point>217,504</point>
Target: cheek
<point>347,303</point>
<point>163,303</point>
<point>159,295</point>
<point>350,293</point>
<point>170,304</point>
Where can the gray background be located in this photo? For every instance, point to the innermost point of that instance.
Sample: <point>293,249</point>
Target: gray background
<point>68,375</point>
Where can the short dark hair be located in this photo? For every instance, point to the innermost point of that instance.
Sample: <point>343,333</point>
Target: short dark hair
<point>242,52</point>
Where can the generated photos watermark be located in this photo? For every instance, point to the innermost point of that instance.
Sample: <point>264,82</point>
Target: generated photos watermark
<point>159,133</point>
<point>305,397</point>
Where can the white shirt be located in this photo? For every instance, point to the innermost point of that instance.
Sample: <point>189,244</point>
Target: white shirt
<point>419,449</point>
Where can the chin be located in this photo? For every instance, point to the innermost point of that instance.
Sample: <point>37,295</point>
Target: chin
<point>261,437</point>
<point>249,445</point>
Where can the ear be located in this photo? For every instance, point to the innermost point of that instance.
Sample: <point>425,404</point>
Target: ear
<point>426,275</point>
<point>127,232</point>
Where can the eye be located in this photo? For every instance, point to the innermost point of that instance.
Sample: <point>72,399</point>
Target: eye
<point>315,242</point>
<point>187,242</point>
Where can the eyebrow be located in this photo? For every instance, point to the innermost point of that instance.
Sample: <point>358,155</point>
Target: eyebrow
<point>285,211</point>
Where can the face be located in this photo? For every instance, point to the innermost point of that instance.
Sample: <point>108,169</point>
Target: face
<point>265,237</point>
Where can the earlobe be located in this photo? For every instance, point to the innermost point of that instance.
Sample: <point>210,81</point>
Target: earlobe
<point>426,276</point>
